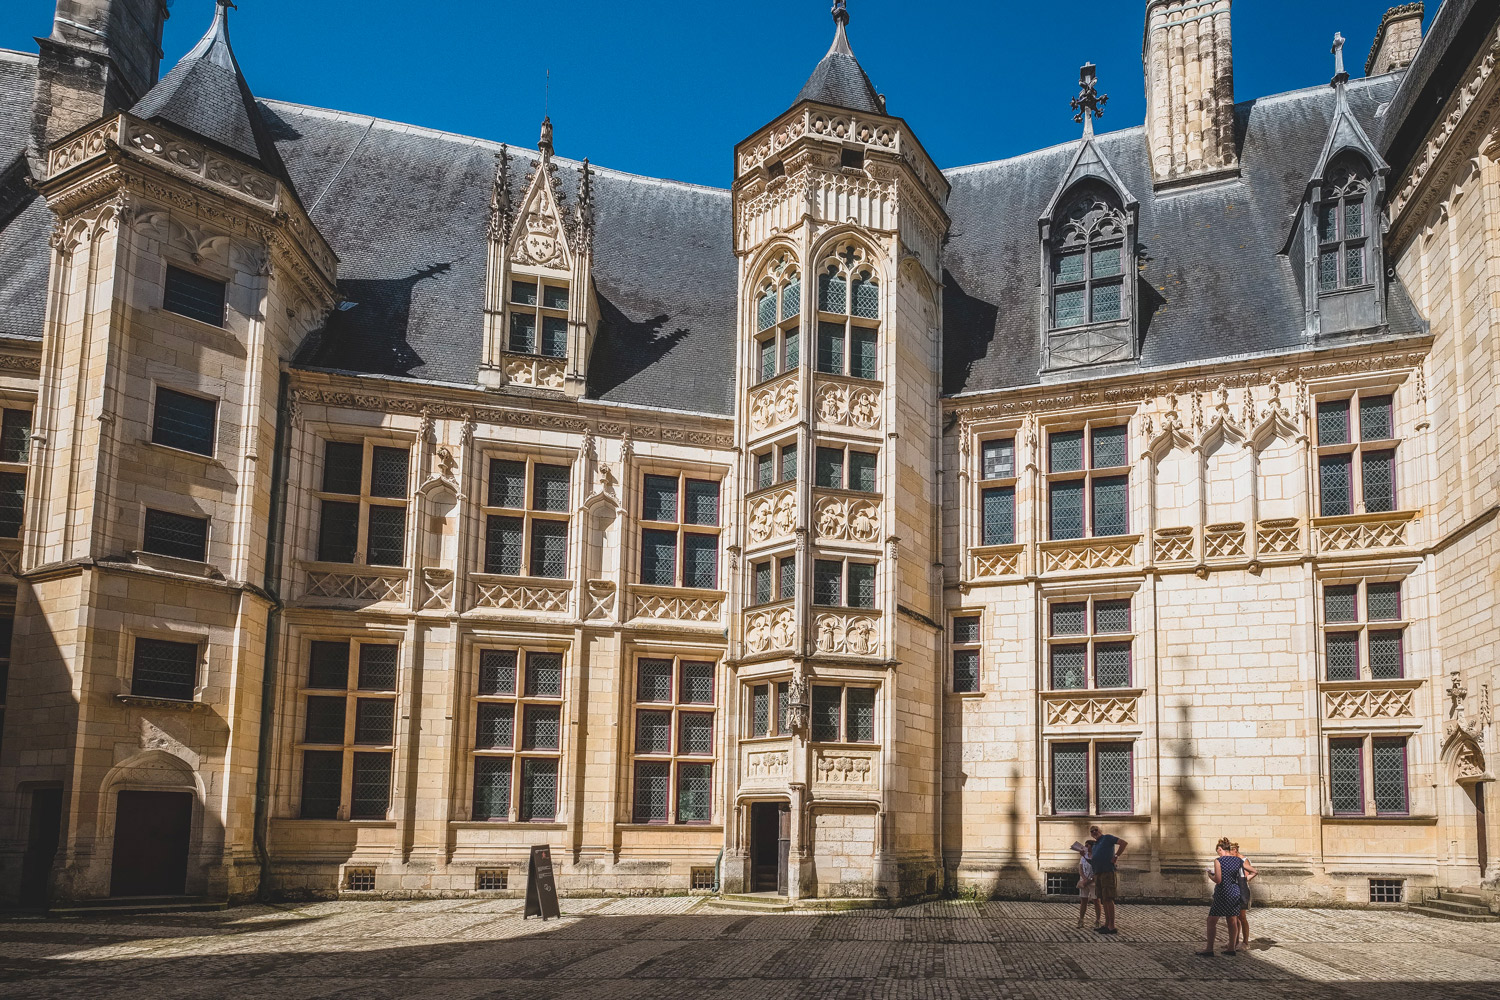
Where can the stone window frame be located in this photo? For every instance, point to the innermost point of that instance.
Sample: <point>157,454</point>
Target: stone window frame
<point>1350,181</point>
<point>529,514</point>
<point>845,562</point>
<point>1090,639</point>
<point>14,464</point>
<point>538,310</point>
<point>777,566</point>
<point>1093,744</point>
<point>1367,742</point>
<point>1357,447</point>
<point>960,644</point>
<point>1089,473</point>
<point>778,704</point>
<point>146,510</point>
<point>776,453</point>
<point>519,699</point>
<point>157,387</point>
<point>128,654</point>
<point>1004,486</point>
<point>682,527</point>
<point>1104,228</point>
<point>675,758</point>
<point>848,261</point>
<point>783,335</point>
<point>365,499</point>
<point>843,737</point>
<point>352,694</point>
<point>846,467</point>
<point>1363,626</point>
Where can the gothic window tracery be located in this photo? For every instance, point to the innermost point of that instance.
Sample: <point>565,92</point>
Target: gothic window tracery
<point>848,314</point>
<point>778,320</point>
<point>1344,226</point>
<point>1088,261</point>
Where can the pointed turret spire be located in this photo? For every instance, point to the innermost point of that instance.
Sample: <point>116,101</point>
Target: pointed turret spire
<point>839,79</point>
<point>206,94</point>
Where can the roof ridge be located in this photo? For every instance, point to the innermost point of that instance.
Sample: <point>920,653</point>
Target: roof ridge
<point>474,140</point>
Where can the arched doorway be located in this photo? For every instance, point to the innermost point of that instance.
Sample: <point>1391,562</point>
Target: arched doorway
<point>153,802</point>
<point>1468,770</point>
<point>770,846</point>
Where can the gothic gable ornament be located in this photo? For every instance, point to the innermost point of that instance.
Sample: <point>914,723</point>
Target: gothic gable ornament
<point>540,240</point>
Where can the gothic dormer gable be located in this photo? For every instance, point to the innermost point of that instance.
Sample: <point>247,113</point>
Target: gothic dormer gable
<point>1336,241</point>
<point>1088,255</point>
<point>539,303</point>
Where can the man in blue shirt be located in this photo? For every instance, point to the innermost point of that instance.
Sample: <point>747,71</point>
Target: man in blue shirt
<point>1107,850</point>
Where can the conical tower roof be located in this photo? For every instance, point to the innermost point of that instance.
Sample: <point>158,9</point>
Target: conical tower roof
<point>839,79</point>
<point>206,94</point>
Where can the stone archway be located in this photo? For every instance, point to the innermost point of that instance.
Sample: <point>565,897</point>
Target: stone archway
<point>152,826</point>
<point>1467,768</point>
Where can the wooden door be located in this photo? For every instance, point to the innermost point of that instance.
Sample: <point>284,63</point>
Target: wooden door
<point>151,843</point>
<point>44,832</point>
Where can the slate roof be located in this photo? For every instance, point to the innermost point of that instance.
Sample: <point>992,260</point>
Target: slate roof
<point>407,211</point>
<point>25,222</point>
<point>206,94</point>
<point>1215,283</point>
<point>839,79</point>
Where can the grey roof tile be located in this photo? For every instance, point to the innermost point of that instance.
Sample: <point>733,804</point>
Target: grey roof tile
<point>839,79</point>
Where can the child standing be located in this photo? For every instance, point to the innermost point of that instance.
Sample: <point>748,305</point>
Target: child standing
<point>1086,893</point>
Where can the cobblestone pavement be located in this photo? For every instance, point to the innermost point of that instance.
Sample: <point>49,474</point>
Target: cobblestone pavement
<point>663,949</point>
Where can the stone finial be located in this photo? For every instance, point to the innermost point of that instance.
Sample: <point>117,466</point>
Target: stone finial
<point>840,14</point>
<point>1340,76</point>
<point>545,142</point>
<point>1089,104</point>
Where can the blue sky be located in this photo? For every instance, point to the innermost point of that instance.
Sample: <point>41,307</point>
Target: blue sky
<point>666,87</point>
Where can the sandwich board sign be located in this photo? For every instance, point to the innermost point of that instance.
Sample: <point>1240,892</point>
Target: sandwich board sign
<point>541,888</point>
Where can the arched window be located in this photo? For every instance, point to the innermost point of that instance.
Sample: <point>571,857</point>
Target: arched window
<point>849,315</point>
<point>1344,224</point>
<point>778,320</point>
<point>1088,256</point>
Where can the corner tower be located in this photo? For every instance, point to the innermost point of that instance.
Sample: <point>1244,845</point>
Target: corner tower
<point>839,217</point>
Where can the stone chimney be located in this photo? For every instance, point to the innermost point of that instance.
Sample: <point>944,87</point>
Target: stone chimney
<point>1189,91</point>
<point>1396,40</point>
<point>102,56</point>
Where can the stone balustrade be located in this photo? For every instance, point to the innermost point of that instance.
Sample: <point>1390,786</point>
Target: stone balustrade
<point>519,593</point>
<point>678,604</point>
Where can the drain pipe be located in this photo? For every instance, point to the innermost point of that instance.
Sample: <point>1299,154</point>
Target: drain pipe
<point>273,632</point>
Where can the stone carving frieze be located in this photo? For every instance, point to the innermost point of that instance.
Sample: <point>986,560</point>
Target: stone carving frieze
<point>771,629</point>
<point>770,764</point>
<point>1088,553</point>
<point>1092,709</point>
<point>1369,703</point>
<point>1371,531</point>
<point>836,767</point>
<point>1282,536</point>
<point>437,589</point>
<point>1174,545</point>
<point>665,606</point>
<point>352,586</point>
<point>774,404</point>
<point>772,515</point>
<point>517,595</point>
<point>848,519</point>
<point>539,373</point>
<point>1224,541</point>
<point>843,405</point>
<point>850,635</point>
<point>993,562</point>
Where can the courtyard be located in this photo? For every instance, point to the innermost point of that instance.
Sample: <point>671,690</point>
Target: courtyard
<point>688,947</point>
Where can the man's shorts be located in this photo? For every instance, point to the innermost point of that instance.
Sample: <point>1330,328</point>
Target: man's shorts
<point>1108,884</point>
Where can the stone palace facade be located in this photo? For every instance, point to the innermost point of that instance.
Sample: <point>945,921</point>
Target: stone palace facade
<point>379,502</point>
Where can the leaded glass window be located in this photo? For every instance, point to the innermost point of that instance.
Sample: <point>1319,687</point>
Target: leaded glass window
<point>1112,665</point>
<point>184,422</point>
<point>492,788</point>
<point>374,722</point>
<point>859,715</point>
<point>328,665</point>
<point>1345,777</point>
<point>194,296</point>
<point>659,499</point>
<point>538,790</point>
<point>388,470</point>
<point>1353,476</point>
<point>1388,766</point>
<point>496,726</point>
<point>1111,505</point>
<point>653,732</point>
<point>549,549</point>
<point>1378,480</point>
<point>1087,260</point>
<point>694,793</point>
<point>681,501</point>
<point>1069,667</point>
<point>377,666</point>
<point>674,723</point>
<point>762,575</point>
<point>1342,652</point>
<point>1334,481</point>
<point>357,724</point>
<point>165,669</point>
<point>998,459</point>
<point>778,340</point>
<point>177,535</point>
<point>1343,235</point>
<point>1383,601</point>
<point>1114,772</point>
<point>654,681</point>
<point>322,784</point>
<point>497,672</point>
<point>541,728</point>
<point>373,478</point>
<point>965,670</point>
<point>517,690</point>
<point>787,583</point>
<point>998,518</point>
<point>1065,502</point>
<point>1340,603</point>
<point>15,436</point>
<point>1070,618</point>
<point>695,733</point>
<point>825,713</point>
<point>862,472</point>
<point>828,583</point>
<point>1386,655</point>
<point>1375,423</point>
<point>1070,778</point>
<point>530,313</point>
<point>652,783</point>
<point>848,315</point>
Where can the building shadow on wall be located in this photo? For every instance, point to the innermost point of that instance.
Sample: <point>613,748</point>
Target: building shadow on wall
<point>627,347</point>
<point>972,322</point>
<point>369,331</point>
<point>1177,853</point>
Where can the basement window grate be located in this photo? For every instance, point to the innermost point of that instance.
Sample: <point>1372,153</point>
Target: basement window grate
<point>492,879</point>
<point>1387,890</point>
<point>703,879</point>
<point>1062,883</point>
<point>359,879</point>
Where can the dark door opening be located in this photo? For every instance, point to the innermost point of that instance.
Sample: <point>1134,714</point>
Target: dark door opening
<point>1482,834</point>
<point>151,844</point>
<point>43,834</point>
<point>770,842</point>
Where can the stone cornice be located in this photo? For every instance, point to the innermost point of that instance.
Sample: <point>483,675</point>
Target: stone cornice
<point>1408,353</point>
<point>475,405</point>
<point>1468,115</point>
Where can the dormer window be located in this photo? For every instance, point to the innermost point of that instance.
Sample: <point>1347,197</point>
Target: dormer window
<point>538,317</point>
<point>1343,223</point>
<point>1088,275</point>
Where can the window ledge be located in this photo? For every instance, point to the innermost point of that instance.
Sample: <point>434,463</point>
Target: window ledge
<point>1094,819</point>
<point>1412,819</point>
<point>504,824</point>
<point>366,824</point>
<point>967,694</point>
<point>695,827</point>
<point>181,452</point>
<point>1408,683</point>
<point>172,704</point>
<point>222,328</point>
<point>175,565</point>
